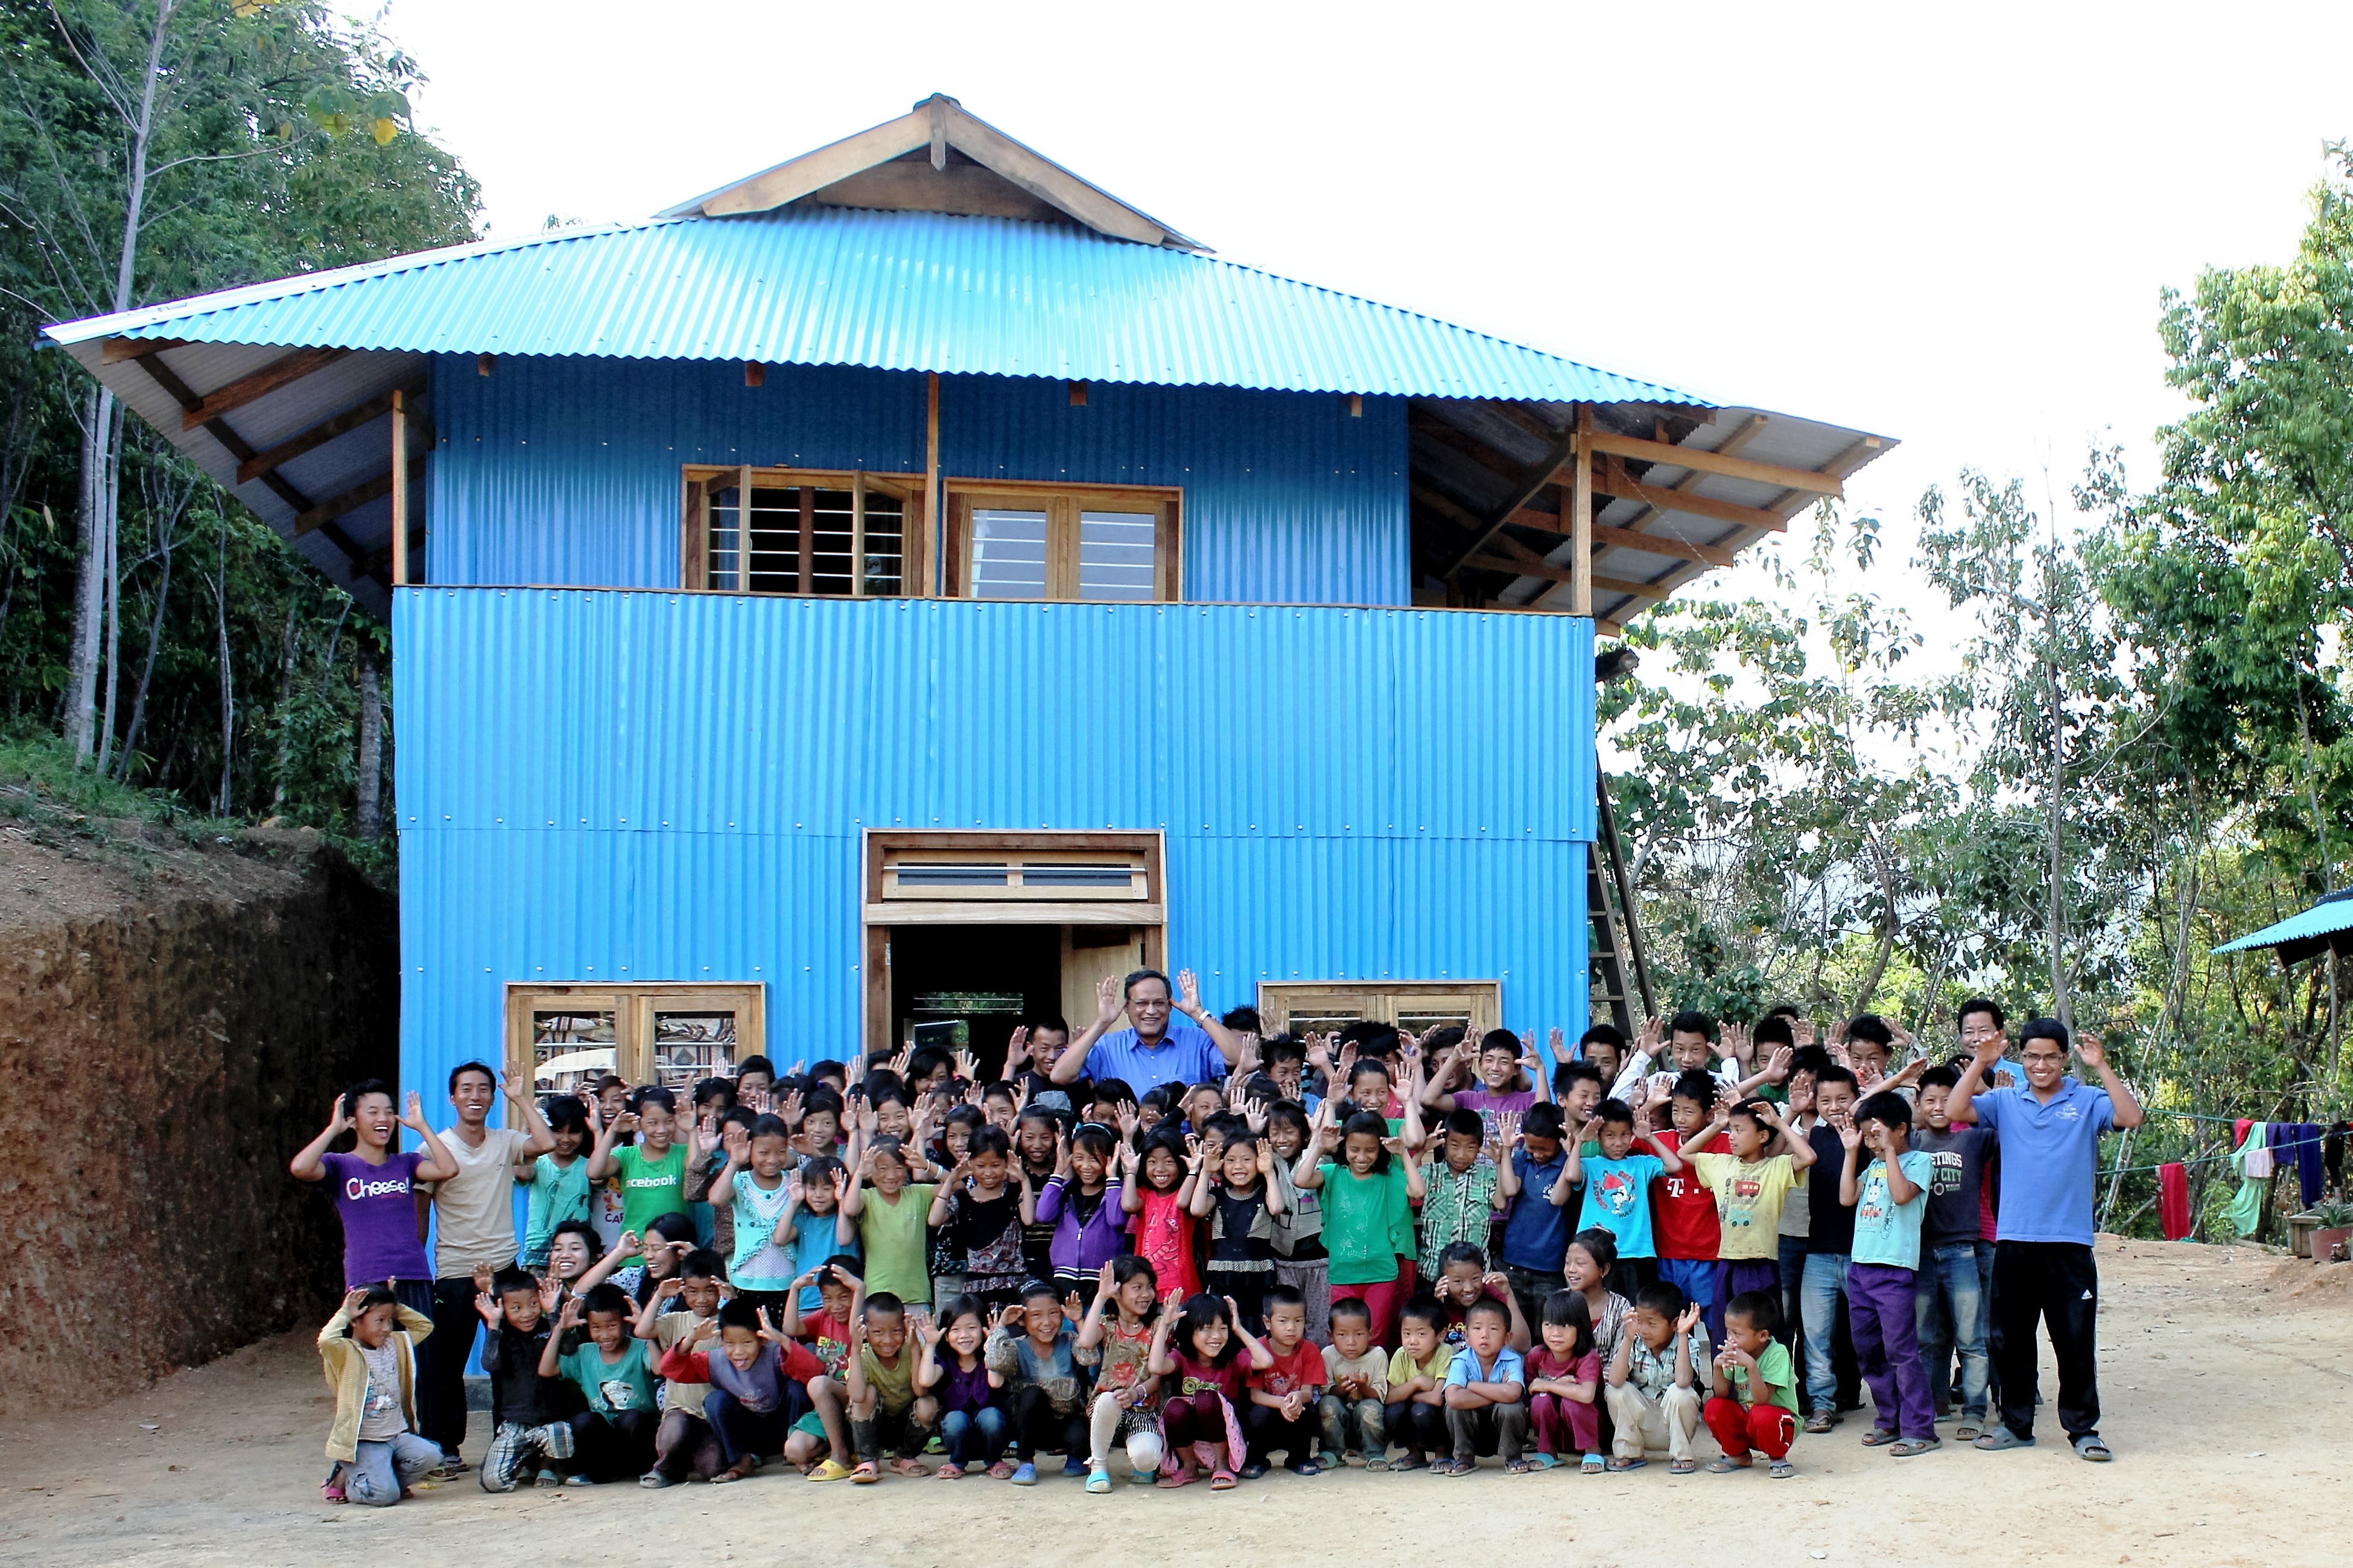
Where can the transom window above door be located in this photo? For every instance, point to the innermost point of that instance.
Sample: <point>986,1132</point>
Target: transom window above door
<point>1115,546</point>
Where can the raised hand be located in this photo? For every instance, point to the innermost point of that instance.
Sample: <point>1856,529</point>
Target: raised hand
<point>1849,1134</point>
<point>768,1330</point>
<point>1647,1039</point>
<point>1105,1285</point>
<point>630,1244</point>
<point>1189,994</point>
<point>413,1117</point>
<point>1109,1003</point>
<point>1016,1051</point>
<point>1265,1158</point>
<point>1507,1128</point>
<point>1010,1319</point>
<point>1688,1318</point>
<point>1802,1031</point>
<point>487,1305</point>
<point>1254,1113</point>
<point>904,1061</point>
<point>1777,1065</point>
<point>339,1114</point>
<point>1193,1152</point>
<point>573,1309</point>
<point>1319,1052</point>
<point>841,1179</point>
<point>1130,1118</point>
<point>738,1141</point>
<point>789,1108</point>
<point>2093,1054</point>
<point>967,1066</point>
<point>1074,1308</point>
<point>551,1294</point>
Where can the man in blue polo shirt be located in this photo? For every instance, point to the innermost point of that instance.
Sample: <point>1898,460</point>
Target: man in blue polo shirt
<point>2050,1137</point>
<point>1148,1052</point>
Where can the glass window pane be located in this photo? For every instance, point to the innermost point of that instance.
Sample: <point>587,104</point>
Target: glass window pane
<point>1115,556</point>
<point>692,1045</point>
<point>718,551</point>
<point>1008,554</point>
<point>885,543</point>
<point>569,1049</point>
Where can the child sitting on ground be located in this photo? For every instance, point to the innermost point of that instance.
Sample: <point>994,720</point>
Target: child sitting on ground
<point>529,1414</point>
<point>685,1447</point>
<point>1654,1394</point>
<point>1564,1385</point>
<point>1283,1395</point>
<point>1118,1331</point>
<point>1486,1396</point>
<point>762,1383</point>
<point>1034,1352</point>
<point>1753,1406</point>
<point>1202,1357</point>
<point>1416,1414</point>
<point>1355,1377</point>
<point>1463,1278</point>
<point>955,1373</point>
<point>369,1347</point>
<point>615,1435</point>
<point>884,1409</point>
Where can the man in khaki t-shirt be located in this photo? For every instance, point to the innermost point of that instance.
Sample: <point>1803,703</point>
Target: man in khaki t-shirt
<point>475,1236</point>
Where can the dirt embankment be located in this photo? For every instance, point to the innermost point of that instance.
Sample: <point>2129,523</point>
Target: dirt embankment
<point>174,1023</point>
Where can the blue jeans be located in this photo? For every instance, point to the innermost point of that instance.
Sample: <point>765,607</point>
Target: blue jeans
<point>1818,1298</point>
<point>1952,1317</point>
<point>379,1471</point>
<point>972,1437</point>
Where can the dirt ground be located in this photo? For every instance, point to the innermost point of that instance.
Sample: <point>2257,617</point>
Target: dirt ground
<point>2217,1367</point>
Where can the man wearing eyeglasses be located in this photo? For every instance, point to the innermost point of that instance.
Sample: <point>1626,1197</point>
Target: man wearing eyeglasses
<point>2049,1132</point>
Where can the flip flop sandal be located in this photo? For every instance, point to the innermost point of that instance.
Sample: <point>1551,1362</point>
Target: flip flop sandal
<point>1679,1467</point>
<point>1967,1432</point>
<point>332,1492</point>
<point>1592,1464</point>
<point>950,1472</point>
<point>1407,1463</point>
<point>1222,1481</point>
<point>1001,1471</point>
<point>735,1472</point>
<point>1620,1466</point>
<point>1725,1468</point>
<point>1780,1469</point>
<point>1912,1445</point>
<point>1879,1440</point>
<point>2092,1448</point>
<point>1516,1467</point>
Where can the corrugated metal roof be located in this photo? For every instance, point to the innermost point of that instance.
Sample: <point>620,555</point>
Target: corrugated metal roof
<point>897,290</point>
<point>2298,937</point>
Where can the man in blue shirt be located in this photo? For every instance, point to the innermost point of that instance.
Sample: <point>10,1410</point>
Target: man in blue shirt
<point>2049,1133</point>
<point>1148,1052</point>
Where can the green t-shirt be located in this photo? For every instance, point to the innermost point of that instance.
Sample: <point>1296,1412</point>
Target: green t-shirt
<point>1363,1219</point>
<point>893,1386</point>
<point>893,1238</point>
<point>1773,1371</point>
<point>624,1385</point>
<point>651,1187</point>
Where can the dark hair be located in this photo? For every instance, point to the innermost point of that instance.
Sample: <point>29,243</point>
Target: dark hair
<point>1243,1018</point>
<point>1833,1073</point>
<point>816,1171</point>
<point>1281,1049</point>
<point>513,1278</point>
<point>830,1071</point>
<point>1137,977</point>
<point>1543,1120</point>
<point>1037,1289</point>
<point>2050,1029</point>
<point>585,1232</point>
<point>1567,1310</point>
<point>672,1227</point>
<point>882,1081</point>
<point>968,1117</point>
<point>1603,1035</point>
<point>1599,1245</point>
<point>1424,1309</point>
<point>367,1086</point>
<point>1617,1112</point>
<point>1371,1036</point>
<point>1128,1266</point>
<point>1943,1075</point>
<point>1688,1021</point>
<point>1759,1307</point>
<point>655,1094</point>
<point>703,1263</point>
<point>1199,1312</point>
<point>1665,1298</point>
<point>565,1113</point>
<point>1462,1252</point>
<point>377,1296</point>
<point>462,1069</point>
<point>1165,1098</point>
<point>1374,1125</point>
<point>842,1265</point>
<point>711,1088</point>
<point>1887,1108</point>
<point>1363,1065</point>
<point>1981,1005</point>
<point>1051,1021</point>
<point>1291,1111</point>
<point>1466,1124</point>
<point>610,1080</point>
<point>884,1304</point>
<point>1111,1089</point>
<point>1574,1073</point>
<point>1164,1135</point>
<point>1810,1059</point>
<point>1788,1010</point>
<point>739,1312</point>
<point>1698,1084</point>
<point>988,1139</point>
<point>1500,1040</point>
<point>739,1115</point>
<point>927,1061</point>
<point>1351,1307</point>
<point>1447,1039</point>
<point>1487,1304</point>
<point>1096,1139</point>
<point>1774,1031</point>
<point>770,1125</point>
<point>757,1063</point>
<point>964,1305</point>
<point>820,1101</point>
<point>999,1089</point>
<point>1756,1112</point>
<point>1871,1026</point>
<point>606,1298</point>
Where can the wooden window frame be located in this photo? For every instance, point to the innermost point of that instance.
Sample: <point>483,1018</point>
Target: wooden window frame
<point>1276,998</point>
<point>633,1007</point>
<point>700,481</point>
<point>1017,860</point>
<point>1063,504</point>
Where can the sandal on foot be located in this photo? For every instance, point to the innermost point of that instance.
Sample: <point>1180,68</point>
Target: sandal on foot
<point>832,1469</point>
<point>1680,1467</point>
<point>735,1472</point>
<point>1912,1445</point>
<point>1171,1479</point>
<point>1453,1467</point>
<point>1001,1471</point>
<point>1724,1467</point>
<point>1780,1469</point>
<point>1967,1432</point>
<point>2089,1446</point>
<point>1592,1464</point>
<point>1545,1461</point>
<point>906,1466</point>
<point>1515,1466</point>
<point>865,1475</point>
<point>1376,1462</point>
<point>1099,1479</point>
<point>1409,1462</point>
<point>1619,1467</point>
<point>2001,1438</point>
<point>1878,1439</point>
<point>332,1491</point>
<point>1222,1481</point>
<point>1253,1470</point>
<point>951,1471</point>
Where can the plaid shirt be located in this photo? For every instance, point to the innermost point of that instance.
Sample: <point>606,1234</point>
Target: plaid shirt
<point>1458,1208</point>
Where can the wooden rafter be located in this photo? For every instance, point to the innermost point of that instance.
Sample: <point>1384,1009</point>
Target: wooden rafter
<point>355,498</point>
<point>256,384</point>
<point>326,430</point>
<point>1524,489</point>
<point>1641,450</point>
<point>1616,483</point>
<point>115,350</point>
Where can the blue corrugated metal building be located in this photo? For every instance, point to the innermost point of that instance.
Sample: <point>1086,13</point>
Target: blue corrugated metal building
<point>900,588</point>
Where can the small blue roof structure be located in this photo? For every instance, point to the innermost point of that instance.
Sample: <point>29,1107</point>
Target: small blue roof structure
<point>2328,923</point>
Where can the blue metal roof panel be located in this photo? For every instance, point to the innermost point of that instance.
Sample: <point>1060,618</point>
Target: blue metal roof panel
<point>2332,914</point>
<point>896,290</point>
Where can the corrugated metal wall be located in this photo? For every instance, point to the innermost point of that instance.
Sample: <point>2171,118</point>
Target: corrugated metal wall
<point>644,786</point>
<point>566,471</point>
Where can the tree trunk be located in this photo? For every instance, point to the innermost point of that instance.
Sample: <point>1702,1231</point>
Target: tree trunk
<point>371,764</point>
<point>222,798</point>
<point>147,665</point>
<point>114,586</point>
<point>91,513</point>
<point>2062,1005</point>
<point>285,716</point>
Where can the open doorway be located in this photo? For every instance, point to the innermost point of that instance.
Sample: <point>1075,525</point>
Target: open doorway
<point>968,986</point>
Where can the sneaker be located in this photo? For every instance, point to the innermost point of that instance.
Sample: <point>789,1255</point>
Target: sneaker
<point>1098,1480</point>
<point>653,1480</point>
<point>1024,1475</point>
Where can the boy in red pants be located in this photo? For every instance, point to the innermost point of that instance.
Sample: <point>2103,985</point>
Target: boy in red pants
<point>1755,1405</point>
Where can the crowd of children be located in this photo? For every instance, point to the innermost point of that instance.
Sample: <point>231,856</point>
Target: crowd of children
<point>1202,1251</point>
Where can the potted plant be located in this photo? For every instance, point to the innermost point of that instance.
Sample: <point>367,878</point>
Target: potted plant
<point>2335,1227</point>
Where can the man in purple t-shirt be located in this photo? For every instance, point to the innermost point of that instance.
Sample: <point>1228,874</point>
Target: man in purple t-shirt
<point>375,1191</point>
<point>1502,1056</point>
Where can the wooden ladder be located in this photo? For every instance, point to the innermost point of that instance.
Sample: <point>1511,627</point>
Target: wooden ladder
<point>1611,908</point>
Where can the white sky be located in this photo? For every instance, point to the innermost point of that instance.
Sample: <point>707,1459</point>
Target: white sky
<point>1947,227</point>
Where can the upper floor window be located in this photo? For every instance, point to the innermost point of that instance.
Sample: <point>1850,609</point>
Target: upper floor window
<point>793,530</point>
<point>1112,546</point>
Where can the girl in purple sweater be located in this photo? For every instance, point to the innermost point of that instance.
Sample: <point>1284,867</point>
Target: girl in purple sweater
<point>1081,1200</point>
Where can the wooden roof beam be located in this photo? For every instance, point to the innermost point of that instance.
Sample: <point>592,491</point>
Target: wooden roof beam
<point>255,384</point>
<point>1524,490</point>
<point>115,350</point>
<point>1611,479</point>
<point>355,498</point>
<point>326,430</point>
<point>1774,474</point>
